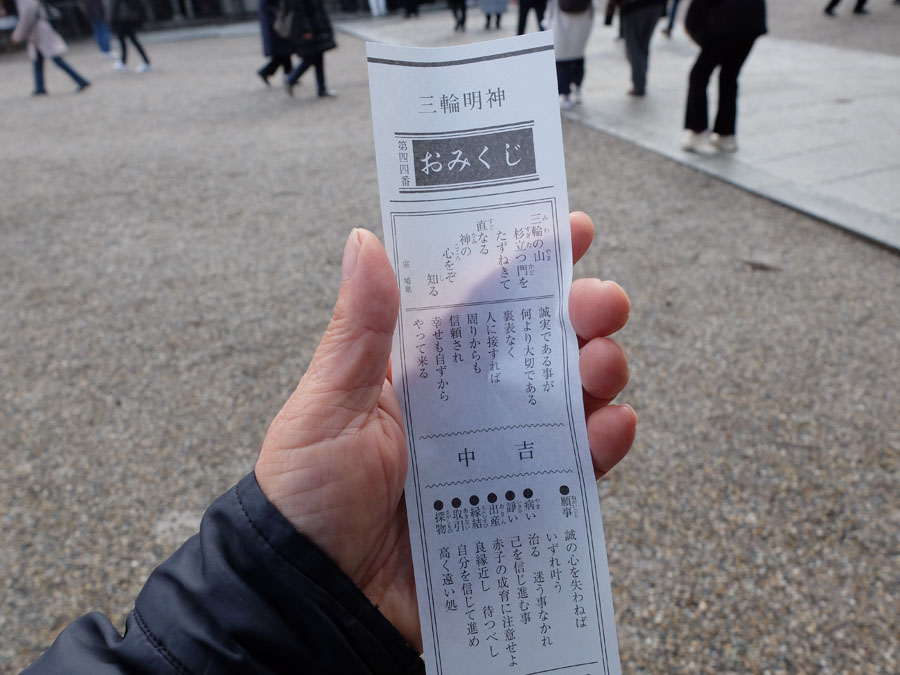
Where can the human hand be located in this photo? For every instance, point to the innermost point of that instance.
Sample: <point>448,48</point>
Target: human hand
<point>334,459</point>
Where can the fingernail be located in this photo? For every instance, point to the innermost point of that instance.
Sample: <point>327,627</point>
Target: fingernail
<point>351,253</point>
<point>633,411</point>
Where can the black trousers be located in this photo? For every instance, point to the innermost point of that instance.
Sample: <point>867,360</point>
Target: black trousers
<point>728,55</point>
<point>860,4</point>
<point>316,60</point>
<point>539,6</point>
<point>276,62</point>
<point>126,31</point>
<point>459,12</point>
<point>569,72</point>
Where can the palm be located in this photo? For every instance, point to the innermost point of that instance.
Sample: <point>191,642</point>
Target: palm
<point>334,459</point>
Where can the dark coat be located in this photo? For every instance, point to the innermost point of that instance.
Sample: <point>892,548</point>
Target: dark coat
<point>126,14</point>
<point>311,31</point>
<point>273,44</point>
<point>248,595</point>
<point>724,19</point>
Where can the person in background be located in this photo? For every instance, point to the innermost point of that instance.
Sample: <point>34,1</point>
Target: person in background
<point>571,22</point>
<point>126,17</point>
<point>673,10</point>
<point>43,43</point>
<point>311,37</point>
<point>638,20</point>
<point>96,14</point>
<point>276,47</point>
<point>378,7</point>
<point>458,7</point>
<point>305,565</point>
<point>493,8</point>
<point>525,6</point>
<point>725,31</point>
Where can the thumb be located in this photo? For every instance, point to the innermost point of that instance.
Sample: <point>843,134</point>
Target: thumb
<point>352,358</point>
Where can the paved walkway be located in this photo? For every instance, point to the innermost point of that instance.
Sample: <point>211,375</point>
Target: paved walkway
<point>817,124</point>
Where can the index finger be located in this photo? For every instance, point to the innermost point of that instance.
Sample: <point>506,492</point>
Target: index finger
<point>582,233</point>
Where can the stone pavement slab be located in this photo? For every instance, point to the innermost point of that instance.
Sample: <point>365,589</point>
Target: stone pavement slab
<point>817,124</point>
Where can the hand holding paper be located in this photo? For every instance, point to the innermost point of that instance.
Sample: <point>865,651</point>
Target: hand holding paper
<point>334,460</point>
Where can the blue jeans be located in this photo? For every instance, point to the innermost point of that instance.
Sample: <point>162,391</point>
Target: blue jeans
<point>58,60</point>
<point>101,35</point>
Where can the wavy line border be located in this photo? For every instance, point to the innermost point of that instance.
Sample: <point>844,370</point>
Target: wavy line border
<point>478,431</point>
<point>506,475</point>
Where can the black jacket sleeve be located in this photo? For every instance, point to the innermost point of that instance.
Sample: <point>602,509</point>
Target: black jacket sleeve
<point>248,594</point>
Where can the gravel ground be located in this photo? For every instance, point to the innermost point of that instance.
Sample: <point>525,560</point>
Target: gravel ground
<point>171,249</point>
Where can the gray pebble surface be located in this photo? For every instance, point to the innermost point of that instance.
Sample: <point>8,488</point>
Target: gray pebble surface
<point>170,254</point>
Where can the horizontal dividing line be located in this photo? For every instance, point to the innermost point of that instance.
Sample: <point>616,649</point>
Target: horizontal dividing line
<point>458,132</point>
<point>506,475</point>
<point>490,194</point>
<point>553,670</point>
<point>478,431</point>
<point>480,302</point>
<point>459,62</point>
<point>530,178</point>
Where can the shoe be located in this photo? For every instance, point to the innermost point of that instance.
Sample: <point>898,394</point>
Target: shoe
<point>578,99</point>
<point>830,12</point>
<point>634,92</point>
<point>694,141</point>
<point>108,56</point>
<point>724,143</point>
<point>861,10</point>
<point>143,68</point>
<point>42,92</point>
<point>327,93</point>
<point>264,78</point>
<point>120,66</point>
<point>82,87</point>
<point>289,87</point>
<point>565,103</point>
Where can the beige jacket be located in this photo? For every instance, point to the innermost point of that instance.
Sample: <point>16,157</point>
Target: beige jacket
<point>34,28</point>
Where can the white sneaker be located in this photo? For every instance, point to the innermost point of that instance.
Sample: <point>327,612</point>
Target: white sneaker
<point>565,103</point>
<point>578,98</point>
<point>724,143</point>
<point>109,56</point>
<point>694,141</point>
<point>121,67</point>
<point>143,68</point>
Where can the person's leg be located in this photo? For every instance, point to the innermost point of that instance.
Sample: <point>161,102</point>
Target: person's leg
<point>137,45</point>
<point>829,8</point>
<point>578,76</point>
<point>524,7</point>
<point>733,57</point>
<point>497,21</point>
<point>673,10</point>
<point>860,7</point>
<point>696,114</point>
<point>562,77</point>
<point>540,8</point>
<point>123,50</point>
<point>71,72</point>
<point>38,65</point>
<point>632,27</point>
<point>319,63</point>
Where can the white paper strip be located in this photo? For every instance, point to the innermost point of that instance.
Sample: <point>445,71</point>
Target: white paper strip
<point>504,518</point>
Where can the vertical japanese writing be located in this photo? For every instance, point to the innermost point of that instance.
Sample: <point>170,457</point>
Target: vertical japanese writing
<point>440,365</point>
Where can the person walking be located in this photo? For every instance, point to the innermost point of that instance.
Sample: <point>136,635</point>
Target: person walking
<point>493,8</point>
<point>571,22</point>
<point>860,7</point>
<point>276,47</point>
<point>311,37</point>
<point>458,7</point>
<point>95,12</point>
<point>673,10</point>
<point>525,6</point>
<point>378,7</point>
<point>725,31</point>
<point>43,42</point>
<point>126,17</point>
<point>638,20</point>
